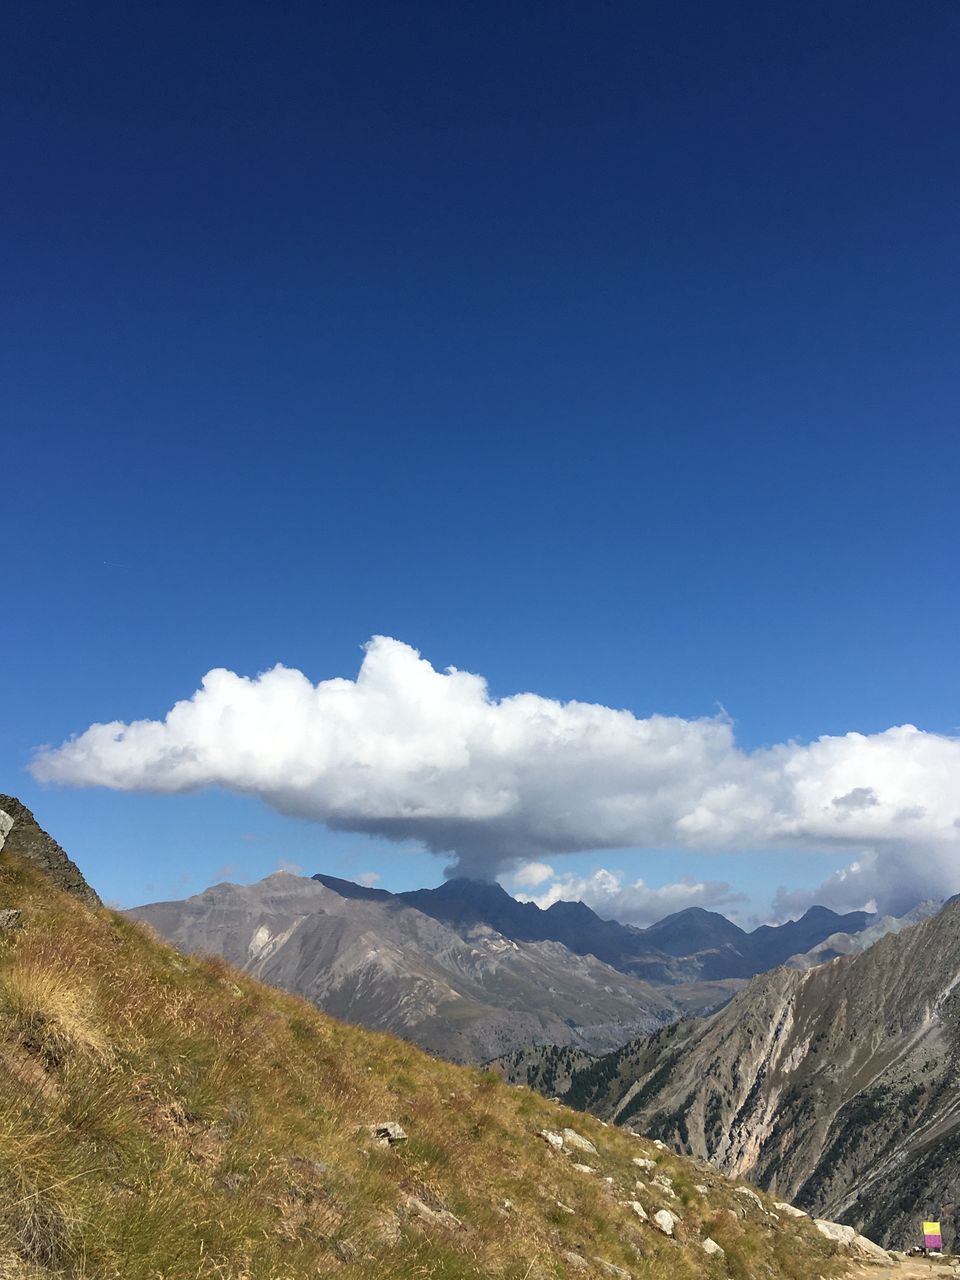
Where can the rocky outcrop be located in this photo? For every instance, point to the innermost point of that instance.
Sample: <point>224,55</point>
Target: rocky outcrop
<point>22,836</point>
<point>853,1242</point>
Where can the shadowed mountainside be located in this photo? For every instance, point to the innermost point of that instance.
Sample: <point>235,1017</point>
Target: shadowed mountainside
<point>834,1087</point>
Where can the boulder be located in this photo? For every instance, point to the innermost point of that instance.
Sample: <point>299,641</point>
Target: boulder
<point>648,1166</point>
<point>584,1168</point>
<point>711,1247</point>
<point>790,1210</point>
<point>637,1208</point>
<point>665,1221</point>
<point>387,1133</point>
<point>553,1139</point>
<point>849,1239</point>
<point>748,1194</point>
<point>573,1139</point>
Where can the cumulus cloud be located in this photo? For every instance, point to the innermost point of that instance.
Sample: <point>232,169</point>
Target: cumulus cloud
<point>636,903</point>
<point>530,874</point>
<point>890,880</point>
<point>409,752</point>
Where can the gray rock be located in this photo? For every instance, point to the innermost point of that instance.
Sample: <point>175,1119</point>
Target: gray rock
<point>637,1208</point>
<point>387,1133</point>
<point>747,1194</point>
<point>583,1168</point>
<point>553,1139</point>
<point>416,1208</point>
<point>665,1221</point>
<point>10,920</point>
<point>849,1239</point>
<point>790,1210</point>
<point>573,1139</point>
<point>711,1247</point>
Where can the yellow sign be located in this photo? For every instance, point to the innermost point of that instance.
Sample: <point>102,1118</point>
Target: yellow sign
<point>931,1228</point>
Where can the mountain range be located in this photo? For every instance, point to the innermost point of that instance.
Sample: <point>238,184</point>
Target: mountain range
<point>465,994</point>
<point>693,945</point>
<point>468,972</point>
<point>835,1087</point>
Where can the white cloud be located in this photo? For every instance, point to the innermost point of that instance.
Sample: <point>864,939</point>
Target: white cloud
<point>636,903</point>
<point>284,864</point>
<point>368,878</point>
<point>891,880</point>
<point>409,752</point>
<point>531,874</point>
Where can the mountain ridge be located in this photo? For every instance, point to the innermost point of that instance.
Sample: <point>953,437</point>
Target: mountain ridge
<point>662,952</point>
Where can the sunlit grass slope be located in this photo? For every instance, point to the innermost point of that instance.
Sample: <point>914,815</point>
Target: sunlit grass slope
<point>163,1117</point>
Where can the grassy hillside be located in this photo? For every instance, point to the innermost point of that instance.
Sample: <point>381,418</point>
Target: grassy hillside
<point>165,1118</point>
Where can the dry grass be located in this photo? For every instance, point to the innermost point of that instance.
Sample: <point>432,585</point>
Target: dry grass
<point>50,1013</point>
<point>169,1119</point>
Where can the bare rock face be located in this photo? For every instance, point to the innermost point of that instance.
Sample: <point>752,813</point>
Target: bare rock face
<point>22,836</point>
<point>832,1088</point>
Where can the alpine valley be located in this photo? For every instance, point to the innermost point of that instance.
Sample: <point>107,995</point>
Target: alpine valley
<point>835,1087</point>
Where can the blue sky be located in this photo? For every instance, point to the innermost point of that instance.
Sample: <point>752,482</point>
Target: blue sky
<point>609,352</point>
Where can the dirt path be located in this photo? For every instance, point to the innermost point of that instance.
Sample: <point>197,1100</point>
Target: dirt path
<point>909,1269</point>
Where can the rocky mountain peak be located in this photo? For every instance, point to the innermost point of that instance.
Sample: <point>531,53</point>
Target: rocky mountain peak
<point>22,836</point>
